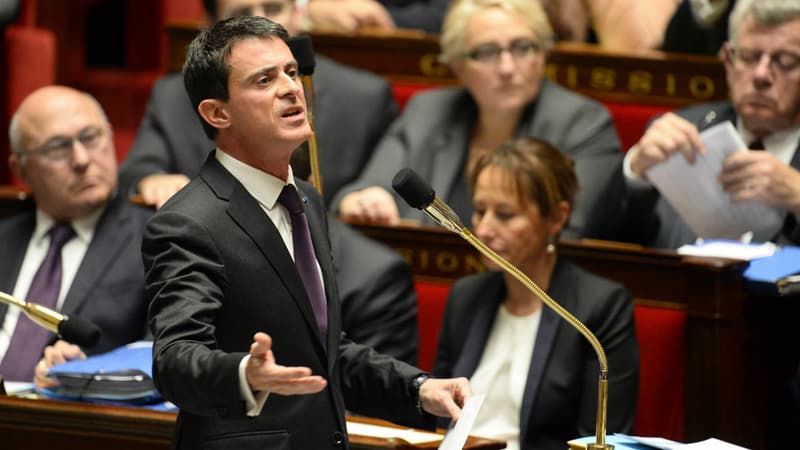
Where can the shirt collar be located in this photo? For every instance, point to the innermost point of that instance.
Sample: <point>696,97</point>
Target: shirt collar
<point>84,226</point>
<point>781,144</point>
<point>264,187</point>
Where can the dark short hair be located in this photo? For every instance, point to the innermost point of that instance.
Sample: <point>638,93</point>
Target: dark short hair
<point>539,172</point>
<point>206,70</point>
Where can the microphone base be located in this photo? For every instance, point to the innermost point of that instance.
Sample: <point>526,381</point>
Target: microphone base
<point>599,447</point>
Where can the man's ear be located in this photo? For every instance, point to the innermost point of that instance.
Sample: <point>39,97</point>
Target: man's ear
<point>17,167</point>
<point>214,112</point>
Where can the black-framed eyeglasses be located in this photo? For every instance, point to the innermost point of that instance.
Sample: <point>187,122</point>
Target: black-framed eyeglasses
<point>518,49</point>
<point>60,148</point>
<point>780,61</point>
<point>269,9</point>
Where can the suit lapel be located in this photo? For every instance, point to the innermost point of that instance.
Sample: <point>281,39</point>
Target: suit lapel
<point>479,329</point>
<point>17,244</point>
<point>245,211</point>
<point>449,148</point>
<point>545,340</point>
<point>111,236</point>
<point>545,337</point>
<point>319,237</point>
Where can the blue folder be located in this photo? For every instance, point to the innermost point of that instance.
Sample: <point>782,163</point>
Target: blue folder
<point>775,274</point>
<point>122,377</point>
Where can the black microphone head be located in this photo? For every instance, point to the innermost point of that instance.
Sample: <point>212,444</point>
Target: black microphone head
<point>414,190</point>
<point>79,331</point>
<point>303,52</point>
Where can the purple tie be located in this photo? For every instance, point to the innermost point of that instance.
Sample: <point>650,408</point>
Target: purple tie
<point>756,145</point>
<point>29,338</point>
<point>304,257</point>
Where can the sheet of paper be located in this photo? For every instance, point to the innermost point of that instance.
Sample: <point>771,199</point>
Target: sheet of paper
<point>409,435</point>
<point>18,387</point>
<point>457,435</point>
<point>730,249</point>
<point>655,442</point>
<point>711,444</point>
<point>697,196</point>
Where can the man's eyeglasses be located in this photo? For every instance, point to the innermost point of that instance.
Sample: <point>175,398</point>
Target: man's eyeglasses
<point>780,61</point>
<point>60,148</point>
<point>490,53</point>
<point>268,9</point>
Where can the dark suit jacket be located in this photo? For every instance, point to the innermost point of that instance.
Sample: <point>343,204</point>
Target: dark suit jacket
<point>376,288</point>
<point>108,288</point>
<point>560,399</point>
<point>217,272</point>
<point>425,15</point>
<point>432,137</point>
<point>352,109</point>
<point>656,223</point>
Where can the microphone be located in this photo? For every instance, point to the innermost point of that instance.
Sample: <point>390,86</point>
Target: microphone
<point>303,52</point>
<point>419,194</point>
<point>70,328</point>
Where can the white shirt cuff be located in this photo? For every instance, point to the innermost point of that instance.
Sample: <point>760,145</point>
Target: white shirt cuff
<point>631,177</point>
<point>254,401</point>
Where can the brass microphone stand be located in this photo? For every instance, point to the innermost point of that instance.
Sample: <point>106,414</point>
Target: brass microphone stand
<point>442,214</point>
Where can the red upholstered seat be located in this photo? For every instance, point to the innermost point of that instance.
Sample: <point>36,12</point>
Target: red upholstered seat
<point>431,299</point>
<point>662,372</point>
<point>27,62</point>
<point>631,119</point>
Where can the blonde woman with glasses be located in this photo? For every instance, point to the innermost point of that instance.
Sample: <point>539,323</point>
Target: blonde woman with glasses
<point>498,51</point>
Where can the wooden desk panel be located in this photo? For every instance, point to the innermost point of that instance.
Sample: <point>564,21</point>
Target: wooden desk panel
<point>39,424</point>
<point>647,77</point>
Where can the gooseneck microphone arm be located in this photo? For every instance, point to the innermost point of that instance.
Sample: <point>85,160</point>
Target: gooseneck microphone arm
<point>303,52</point>
<point>419,194</point>
<point>72,329</point>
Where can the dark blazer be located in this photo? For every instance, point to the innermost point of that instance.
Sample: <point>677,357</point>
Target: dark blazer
<point>425,15</point>
<point>432,137</point>
<point>217,272</point>
<point>560,399</point>
<point>352,109</point>
<point>108,288</point>
<point>376,288</point>
<point>659,223</point>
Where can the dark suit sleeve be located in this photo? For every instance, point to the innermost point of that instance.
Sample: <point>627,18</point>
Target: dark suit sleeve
<point>425,15</point>
<point>149,153</point>
<point>590,139</point>
<point>390,155</point>
<point>376,288</point>
<point>184,278</point>
<point>614,328</point>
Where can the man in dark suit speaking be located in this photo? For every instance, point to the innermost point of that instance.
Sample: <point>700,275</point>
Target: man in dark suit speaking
<point>243,304</point>
<point>352,110</point>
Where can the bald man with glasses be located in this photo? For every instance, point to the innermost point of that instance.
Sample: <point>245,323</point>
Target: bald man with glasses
<point>63,151</point>
<point>762,63</point>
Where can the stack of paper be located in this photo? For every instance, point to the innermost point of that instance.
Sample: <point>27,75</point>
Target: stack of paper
<point>697,195</point>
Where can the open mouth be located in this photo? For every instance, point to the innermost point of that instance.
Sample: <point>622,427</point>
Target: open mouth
<point>292,112</point>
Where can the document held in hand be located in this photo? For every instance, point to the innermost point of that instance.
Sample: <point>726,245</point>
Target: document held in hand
<point>696,194</point>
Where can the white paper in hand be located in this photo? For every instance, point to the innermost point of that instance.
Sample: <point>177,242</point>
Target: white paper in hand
<point>696,194</point>
<point>457,434</point>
